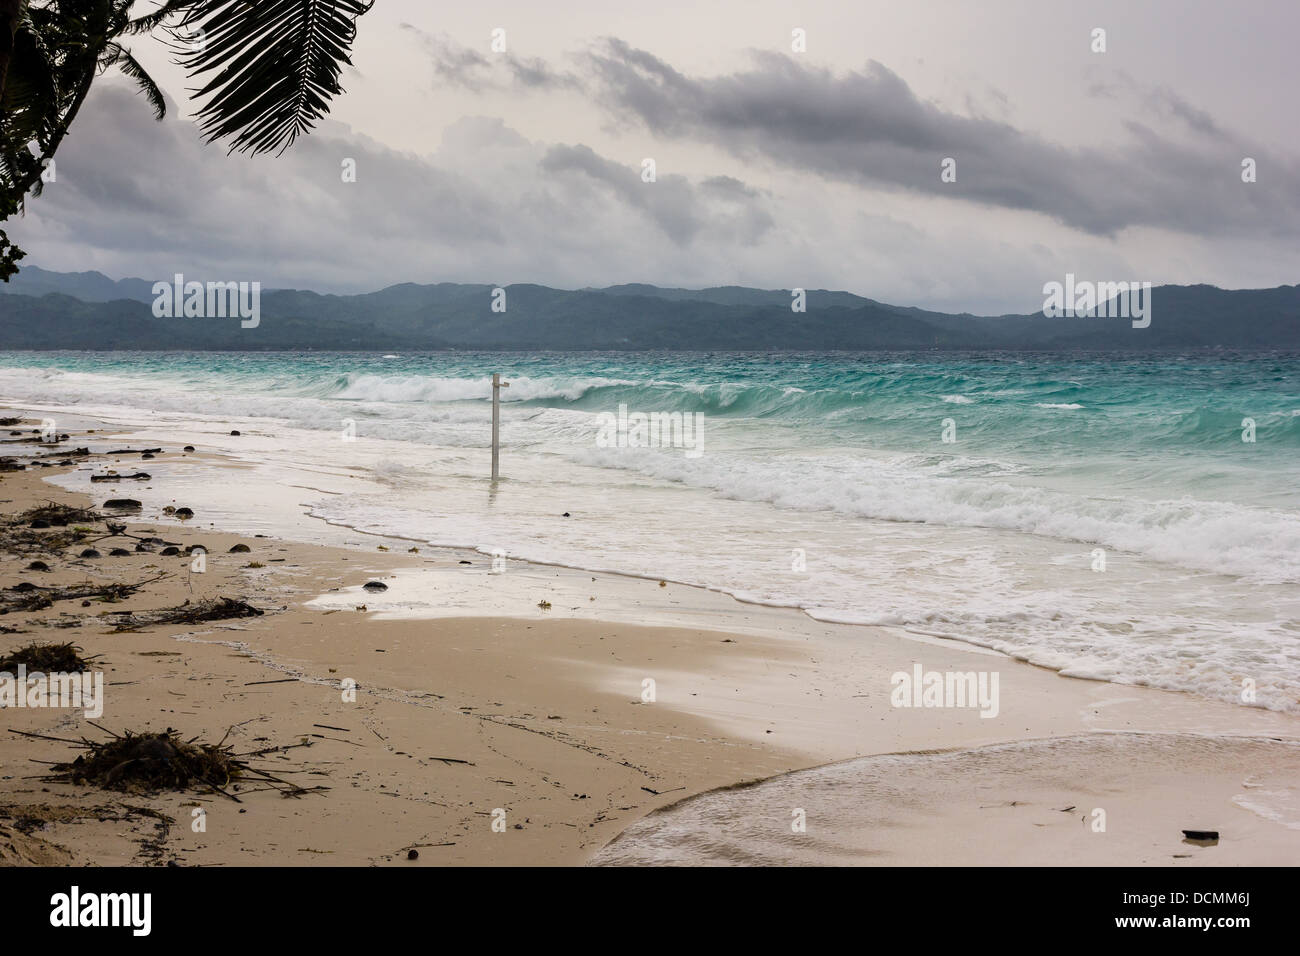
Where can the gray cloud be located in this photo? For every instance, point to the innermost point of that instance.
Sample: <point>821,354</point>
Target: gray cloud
<point>869,128</point>
<point>461,66</point>
<point>136,196</point>
<point>720,207</point>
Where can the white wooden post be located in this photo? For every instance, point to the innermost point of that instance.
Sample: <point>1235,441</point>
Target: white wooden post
<point>497,385</point>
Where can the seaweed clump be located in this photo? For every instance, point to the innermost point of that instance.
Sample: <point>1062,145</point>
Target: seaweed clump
<point>46,658</point>
<point>150,762</point>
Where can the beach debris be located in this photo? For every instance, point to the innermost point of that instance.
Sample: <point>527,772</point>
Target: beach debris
<point>184,513</point>
<point>375,586</point>
<point>56,515</point>
<point>111,476</point>
<point>239,549</point>
<point>234,433</point>
<point>566,515</point>
<point>412,854</point>
<point>465,562</point>
<point>11,464</point>
<point>212,609</point>
<point>189,448</point>
<point>150,761</point>
<point>89,553</point>
<point>118,553</point>
<point>38,566</point>
<point>135,451</point>
<point>37,437</point>
<point>30,597</point>
<point>46,658</point>
<point>663,584</point>
<point>544,604</point>
<point>122,504</point>
<point>1201,837</point>
<point>10,422</point>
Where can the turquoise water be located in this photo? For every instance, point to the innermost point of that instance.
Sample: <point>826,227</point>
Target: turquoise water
<point>991,537</point>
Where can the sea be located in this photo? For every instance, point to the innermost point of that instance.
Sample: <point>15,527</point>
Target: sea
<point>1122,517</point>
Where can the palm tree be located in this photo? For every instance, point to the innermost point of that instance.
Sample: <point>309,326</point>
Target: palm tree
<point>268,69</point>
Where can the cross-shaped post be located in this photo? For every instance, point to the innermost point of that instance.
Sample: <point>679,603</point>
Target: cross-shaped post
<point>497,385</point>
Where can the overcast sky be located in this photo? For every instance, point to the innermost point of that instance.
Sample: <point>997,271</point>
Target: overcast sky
<point>775,168</point>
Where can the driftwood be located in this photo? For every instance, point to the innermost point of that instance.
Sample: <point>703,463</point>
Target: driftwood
<point>32,597</point>
<point>214,609</point>
<point>149,761</point>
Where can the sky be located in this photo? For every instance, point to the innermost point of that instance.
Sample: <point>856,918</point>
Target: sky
<point>774,167</point>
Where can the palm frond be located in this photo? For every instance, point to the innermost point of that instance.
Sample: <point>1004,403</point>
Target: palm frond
<point>277,65</point>
<point>148,22</point>
<point>121,57</point>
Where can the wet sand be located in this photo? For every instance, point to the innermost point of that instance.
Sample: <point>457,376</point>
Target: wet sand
<point>475,705</point>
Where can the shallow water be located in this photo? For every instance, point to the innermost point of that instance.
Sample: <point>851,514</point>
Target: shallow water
<point>821,481</point>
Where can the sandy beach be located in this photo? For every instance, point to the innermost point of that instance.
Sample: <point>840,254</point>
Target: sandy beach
<point>564,707</point>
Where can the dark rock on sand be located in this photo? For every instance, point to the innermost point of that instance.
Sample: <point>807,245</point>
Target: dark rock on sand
<point>39,524</point>
<point>189,447</point>
<point>118,553</point>
<point>90,553</point>
<point>122,504</point>
<point>168,552</point>
<point>375,586</point>
<point>184,513</point>
<point>239,549</point>
<point>234,433</point>
<point>38,566</point>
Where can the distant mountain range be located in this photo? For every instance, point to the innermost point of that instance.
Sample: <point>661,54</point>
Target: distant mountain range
<point>87,310</point>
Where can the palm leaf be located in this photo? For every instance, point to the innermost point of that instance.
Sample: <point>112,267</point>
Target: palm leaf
<point>148,22</point>
<point>276,66</point>
<point>121,57</point>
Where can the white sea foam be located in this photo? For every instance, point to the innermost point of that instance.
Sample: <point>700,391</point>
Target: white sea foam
<point>1196,595</point>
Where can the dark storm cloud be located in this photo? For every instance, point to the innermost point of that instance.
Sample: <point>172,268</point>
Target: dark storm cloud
<point>151,195</point>
<point>460,66</point>
<point>869,128</point>
<point>682,210</point>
